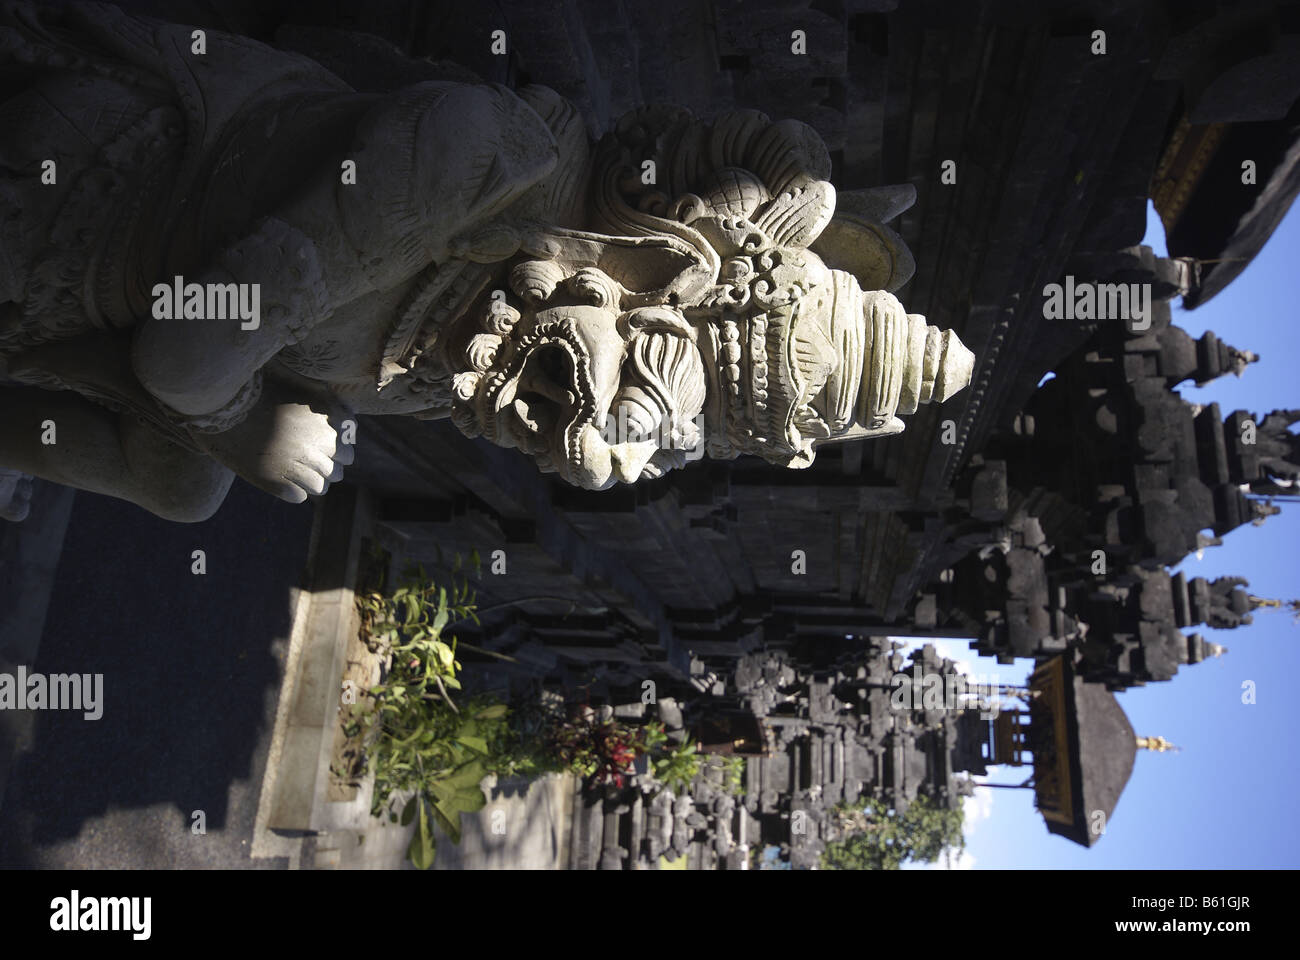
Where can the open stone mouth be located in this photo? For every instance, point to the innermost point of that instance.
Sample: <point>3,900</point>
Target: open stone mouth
<point>543,396</point>
<point>547,395</point>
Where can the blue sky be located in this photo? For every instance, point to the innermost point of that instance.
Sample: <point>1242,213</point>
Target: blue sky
<point>1228,799</point>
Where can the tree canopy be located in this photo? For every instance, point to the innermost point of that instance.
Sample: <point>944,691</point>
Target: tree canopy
<point>880,838</point>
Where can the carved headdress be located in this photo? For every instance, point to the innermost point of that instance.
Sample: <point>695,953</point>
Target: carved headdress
<point>805,340</point>
<point>725,237</point>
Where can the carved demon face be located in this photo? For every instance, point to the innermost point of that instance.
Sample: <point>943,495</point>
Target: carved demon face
<point>596,395</point>
<point>600,376</point>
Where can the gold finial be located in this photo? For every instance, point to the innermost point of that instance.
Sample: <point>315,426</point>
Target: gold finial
<point>1292,605</point>
<point>1215,650</point>
<point>1158,744</point>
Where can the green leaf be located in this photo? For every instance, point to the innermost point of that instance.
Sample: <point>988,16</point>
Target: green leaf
<point>467,775</point>
<point>440,619</point>
<point>443,791</point>
<point>474,743</point>
<point>449,819</point>
<point>494,712</point>
<point>446,655</point>
<point>421,849</point>
<point>470,801</point>
<point>406,741</point>
<point>408,812</point>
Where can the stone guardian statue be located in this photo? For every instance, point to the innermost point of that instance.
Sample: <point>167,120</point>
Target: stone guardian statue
<point>209,262</point>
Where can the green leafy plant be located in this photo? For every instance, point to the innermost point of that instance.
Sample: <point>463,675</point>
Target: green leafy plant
<point>733,774</point>
<point>881,838</point>
<point>676,768</point>
<point>430,752</point>
<point>444,796</point>
<point>653,736</point>
<point>523,746</point>
<point>421,743</point>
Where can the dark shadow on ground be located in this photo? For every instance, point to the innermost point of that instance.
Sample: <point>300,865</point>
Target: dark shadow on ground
<point>192,666</point>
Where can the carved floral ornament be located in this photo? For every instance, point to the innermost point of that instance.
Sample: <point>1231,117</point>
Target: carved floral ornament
<point>729,299</point>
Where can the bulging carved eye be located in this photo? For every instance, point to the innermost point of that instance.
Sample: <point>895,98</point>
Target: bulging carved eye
<point>536,279</point>
<point>596,287</point>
